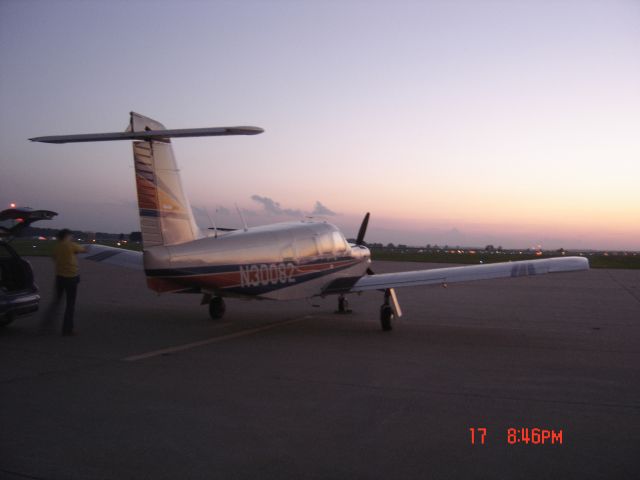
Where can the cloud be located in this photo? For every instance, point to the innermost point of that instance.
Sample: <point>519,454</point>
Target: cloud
<point>321,209</point>
<point>274,208</point>
<point>271,207</point>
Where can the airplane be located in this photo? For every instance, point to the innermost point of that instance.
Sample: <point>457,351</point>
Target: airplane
<point>282,261</point>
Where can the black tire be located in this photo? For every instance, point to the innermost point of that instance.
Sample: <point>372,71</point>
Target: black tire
<point>386,315</point>
<point>217,308</point>
<point>343,305</point>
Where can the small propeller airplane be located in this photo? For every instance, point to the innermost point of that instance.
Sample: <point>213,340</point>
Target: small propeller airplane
<point>282,261</point>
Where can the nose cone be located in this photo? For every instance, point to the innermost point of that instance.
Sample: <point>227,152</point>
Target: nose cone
<point>360,252</point>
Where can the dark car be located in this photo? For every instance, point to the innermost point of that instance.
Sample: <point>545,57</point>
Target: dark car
<point>18,291</point>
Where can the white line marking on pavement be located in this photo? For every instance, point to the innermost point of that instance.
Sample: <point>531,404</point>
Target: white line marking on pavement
<point>208,341</point>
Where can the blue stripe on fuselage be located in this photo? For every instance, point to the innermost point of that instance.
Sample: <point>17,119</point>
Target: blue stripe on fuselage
<point>147,212</point>
<point>190,271</point>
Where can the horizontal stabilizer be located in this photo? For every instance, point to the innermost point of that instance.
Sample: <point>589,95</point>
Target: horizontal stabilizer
<point>150,134</point>
<point>118,257</point>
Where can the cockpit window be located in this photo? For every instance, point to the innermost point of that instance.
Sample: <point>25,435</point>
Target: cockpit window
<point>339,242</point>
<point>306,247</point>
<point>287,253</point>
<point>325,243</point>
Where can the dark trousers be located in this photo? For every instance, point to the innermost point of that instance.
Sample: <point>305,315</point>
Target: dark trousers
<point>68,285</point>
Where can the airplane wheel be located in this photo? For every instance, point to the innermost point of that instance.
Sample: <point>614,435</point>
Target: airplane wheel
<point>217,308</point>
<point>343,305</point>
<point>386,315</point>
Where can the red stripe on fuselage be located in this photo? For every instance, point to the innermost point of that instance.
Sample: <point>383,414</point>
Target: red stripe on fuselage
<point>225,280</point>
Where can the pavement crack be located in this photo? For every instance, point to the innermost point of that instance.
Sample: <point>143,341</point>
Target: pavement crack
<point>21,475</point>
<point>49,373</point>
<point>624,287</point>
<point>465,394</point>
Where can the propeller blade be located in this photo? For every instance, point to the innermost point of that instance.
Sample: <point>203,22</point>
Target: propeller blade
<point>363,230</point>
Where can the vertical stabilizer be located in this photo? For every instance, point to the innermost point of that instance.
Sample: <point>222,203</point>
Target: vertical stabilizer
<point>165,213</point>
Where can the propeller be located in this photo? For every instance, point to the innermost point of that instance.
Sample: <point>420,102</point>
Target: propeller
<point>390,293</point>
<point>363,230</point>
<point>361,234</point>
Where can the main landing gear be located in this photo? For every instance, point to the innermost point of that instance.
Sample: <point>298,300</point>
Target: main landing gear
<point>390,309</point>
<point>343,305</point>
<point>217,308</point>
<point>386,311</point>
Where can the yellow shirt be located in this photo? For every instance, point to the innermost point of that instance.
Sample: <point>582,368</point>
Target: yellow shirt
<point>64,256</point>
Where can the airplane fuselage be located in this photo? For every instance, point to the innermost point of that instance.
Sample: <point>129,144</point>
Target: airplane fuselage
<point>280,261</point>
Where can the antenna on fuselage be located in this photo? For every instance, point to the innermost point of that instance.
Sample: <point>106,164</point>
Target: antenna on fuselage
<point>213,224</point>
<point>314,218</point>
<point>244,221</point>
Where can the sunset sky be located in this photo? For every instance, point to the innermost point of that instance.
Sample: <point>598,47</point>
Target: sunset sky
<point>508,122</point>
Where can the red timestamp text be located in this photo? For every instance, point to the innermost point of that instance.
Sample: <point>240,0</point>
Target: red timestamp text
<point>520,436</point>
<point>478,435</point>
<point>533,436</point>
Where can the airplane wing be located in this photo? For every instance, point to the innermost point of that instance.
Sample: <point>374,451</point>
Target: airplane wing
<point>118,257</point>
<point>440,276</point>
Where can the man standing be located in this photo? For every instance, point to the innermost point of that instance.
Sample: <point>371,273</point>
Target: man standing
<point>67,279</point>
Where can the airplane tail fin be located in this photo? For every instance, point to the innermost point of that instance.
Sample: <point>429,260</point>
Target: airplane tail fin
<point>166,217</point>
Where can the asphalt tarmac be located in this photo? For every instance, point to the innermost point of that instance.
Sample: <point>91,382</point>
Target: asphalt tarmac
<point>150,388</point>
